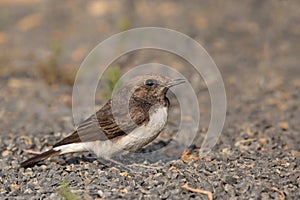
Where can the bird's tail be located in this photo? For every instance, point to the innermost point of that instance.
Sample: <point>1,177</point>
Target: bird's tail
<point>57,150</point>
<point>42,156</point>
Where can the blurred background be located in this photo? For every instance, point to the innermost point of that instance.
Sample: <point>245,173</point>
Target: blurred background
<point>254,43</point>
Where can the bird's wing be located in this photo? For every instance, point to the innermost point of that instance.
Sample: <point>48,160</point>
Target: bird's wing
<point>102,125</point>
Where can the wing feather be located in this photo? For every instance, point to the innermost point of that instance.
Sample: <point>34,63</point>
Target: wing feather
<point>102,125</point>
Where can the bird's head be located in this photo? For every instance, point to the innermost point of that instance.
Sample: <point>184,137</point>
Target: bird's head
<point>149,89</point>
<point>153,88</point>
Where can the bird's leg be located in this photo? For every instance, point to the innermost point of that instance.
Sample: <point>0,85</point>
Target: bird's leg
<point>113,163</point>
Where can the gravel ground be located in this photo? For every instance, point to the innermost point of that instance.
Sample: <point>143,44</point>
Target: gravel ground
<point>256,47</point>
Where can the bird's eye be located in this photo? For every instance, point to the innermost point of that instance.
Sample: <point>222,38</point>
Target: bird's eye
<point>149,82</point>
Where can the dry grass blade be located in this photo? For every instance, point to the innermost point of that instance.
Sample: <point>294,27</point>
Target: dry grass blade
<point>208,193</point>
<point>32,152</point>
<point>186,157</point>
<point>279,191</point>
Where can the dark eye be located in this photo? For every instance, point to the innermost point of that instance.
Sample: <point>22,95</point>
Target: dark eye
<point>149,82</point>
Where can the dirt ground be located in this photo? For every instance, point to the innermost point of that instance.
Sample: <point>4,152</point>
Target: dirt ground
<point>255,45</point>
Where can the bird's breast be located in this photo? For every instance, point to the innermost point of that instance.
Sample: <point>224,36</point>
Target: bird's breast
<point>146,133</point>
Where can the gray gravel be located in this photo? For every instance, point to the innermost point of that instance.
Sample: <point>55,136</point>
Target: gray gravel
<point>251,158</point>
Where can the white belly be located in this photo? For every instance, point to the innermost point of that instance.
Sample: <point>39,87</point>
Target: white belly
<point>135,140</point>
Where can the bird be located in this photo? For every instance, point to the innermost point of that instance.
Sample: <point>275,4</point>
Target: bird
<point>131,119</point>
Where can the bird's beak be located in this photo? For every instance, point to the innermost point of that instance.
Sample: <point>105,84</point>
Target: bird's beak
<point>175,82</point>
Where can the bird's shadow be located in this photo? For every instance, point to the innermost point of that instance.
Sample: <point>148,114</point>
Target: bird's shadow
<point>160,151</point>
